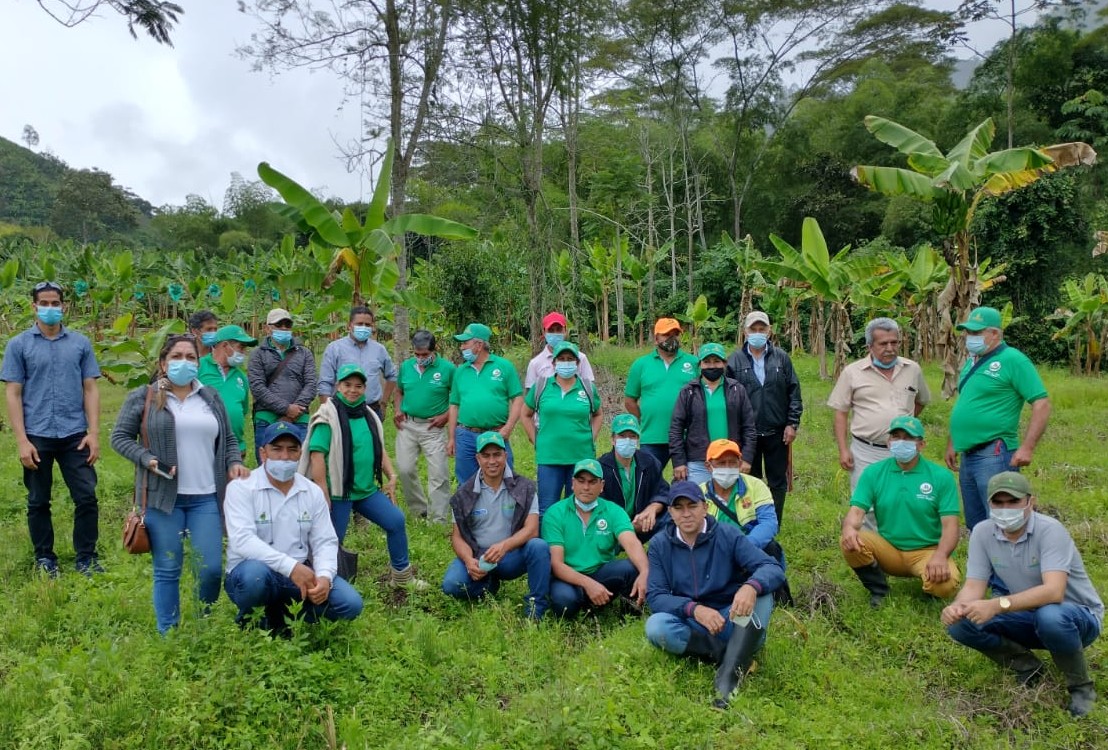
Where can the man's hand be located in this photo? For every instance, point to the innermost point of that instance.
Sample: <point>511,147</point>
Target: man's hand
<point>496,552</point>
<point>294,412</point>
<point>851,540</point>
<point>318,593</point>
<point>28,454</point>
<point>238,471</point>
<point>712,621</point>
<point>846,459</point>
<point>952,457</point>
<point>450,446</point>
<point>474,569</point>
<point>644,521</point>
<point>597,593</point>
<point>1022,457</point>
<point>680,473</point>
<point>743,603</point>
<point>505,433</point>
<point>399,418</point>
<point>304,578</point>
<point>982,610</point>
<point>938,568</point>
<point>91,442</point>
<point>438,422</point>
<point>953,613</point>
<point>389,489</point>
<point>789,436</point>
<point>638,590</point>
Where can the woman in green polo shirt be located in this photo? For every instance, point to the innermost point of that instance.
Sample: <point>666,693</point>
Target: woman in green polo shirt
<point>568,410</point>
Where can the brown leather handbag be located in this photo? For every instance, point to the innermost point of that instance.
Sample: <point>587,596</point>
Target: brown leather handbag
<point>136,539</point>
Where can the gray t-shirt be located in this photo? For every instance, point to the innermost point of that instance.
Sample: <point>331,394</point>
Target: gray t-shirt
<point>491,519</point>
<point>1044,546</point>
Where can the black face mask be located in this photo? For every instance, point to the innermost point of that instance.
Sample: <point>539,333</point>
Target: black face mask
<point>669,345</point>
<point>712,373</point>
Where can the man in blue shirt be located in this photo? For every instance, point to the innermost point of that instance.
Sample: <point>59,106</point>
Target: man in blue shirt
<point>54,409</point>
<point>359,348</point>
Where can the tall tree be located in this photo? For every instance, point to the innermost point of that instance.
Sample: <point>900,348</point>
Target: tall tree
<point>155,17</point>
<point>90,207</point>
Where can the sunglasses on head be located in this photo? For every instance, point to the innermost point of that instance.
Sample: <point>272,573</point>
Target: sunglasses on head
<point>43,286</point>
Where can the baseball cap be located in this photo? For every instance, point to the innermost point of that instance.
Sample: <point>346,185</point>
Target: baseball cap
<point>721,447</point>
<point>712,350</point>
<point>475,331</point>
<point>667,325</point>
<point>350,368</point>
<point>686,489</point>
<point>554,317</point>
<point>624,422</point>
<point>590,465</point>
<point>485,439</point>
<point>911,425</point>
<point>233,333</point>
<point>281,429</point>
<point>981,318</point>
<point>566,346</point>
<point>1010,482</point>
<point>276,315</point>
<point>755,317</point>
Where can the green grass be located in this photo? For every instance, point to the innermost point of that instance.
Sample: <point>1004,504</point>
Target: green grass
<point>82,666</point>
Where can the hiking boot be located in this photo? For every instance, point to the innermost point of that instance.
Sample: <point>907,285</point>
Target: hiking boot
<point>406,579</point>
<point>873,578</point>
<point>736,661</point>
<point>89,567</point>
<point>1011,655</point>
<point>47,565</point>
<point>1078,683</point>
<point>705,646</point>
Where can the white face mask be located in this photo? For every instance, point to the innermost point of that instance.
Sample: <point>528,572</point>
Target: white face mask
<point>1008,519</point>
<point>725,478</point>
<point>280,470</point>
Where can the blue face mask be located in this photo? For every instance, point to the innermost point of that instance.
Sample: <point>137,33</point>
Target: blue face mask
<point>626,447</point>
<point>757,340</point>
<point>280,470</point>
<point>208,338</point>
<point>362,333</point>
<point>903,450</point>
<point>236,359</point>
<point>282,337</point>
<point>181,371</point>
<point>469,356</point>
<point>881,365</point>
<point>49,316</point>
<point>586,507</point>
<point>565,369</point>
<point>553,339</point>
<point>975,344</point>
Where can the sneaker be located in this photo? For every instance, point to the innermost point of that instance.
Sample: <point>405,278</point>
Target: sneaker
<point>406,579</point>
<point>47,565</point>
<point>89,567</point>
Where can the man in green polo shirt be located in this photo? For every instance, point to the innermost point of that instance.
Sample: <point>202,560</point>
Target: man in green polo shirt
<point>486,396</point>
<point>421,405</point>
<point>995,383</point>
<point>585,536</point>
<point>223,370</point>
<point>652,386</point>
<point>916,505</point>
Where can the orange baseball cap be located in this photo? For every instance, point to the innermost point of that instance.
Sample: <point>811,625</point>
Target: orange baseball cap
<point>720,448</point>
<point>666,325</point>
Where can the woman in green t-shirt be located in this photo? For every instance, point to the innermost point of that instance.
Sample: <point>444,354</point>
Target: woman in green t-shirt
<point>569,420</point>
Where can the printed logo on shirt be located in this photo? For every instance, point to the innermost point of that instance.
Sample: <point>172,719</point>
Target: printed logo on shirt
<point>926,488</point>
<point>480,512</point>
<point>437,376</point>
<point>508,509</point>
<point>582,396</point>
<point>305,517</point>
<point>994,366</point>
<point>687,367</point>
<point>1034,562</point>
<point>602,525</point>
<point>496,374</point>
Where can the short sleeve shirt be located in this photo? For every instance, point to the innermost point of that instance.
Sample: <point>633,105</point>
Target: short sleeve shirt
<point>425,391</point>
<point>484,396</point>
<point>656,385</point>
<point>874,401</point>
<point>909,504</point>
<point>365,484</point>
<point>565,435</point>
<point>989,404</point>
<point>586,547</point>
<point>232,388</point>
<point>491,519</point>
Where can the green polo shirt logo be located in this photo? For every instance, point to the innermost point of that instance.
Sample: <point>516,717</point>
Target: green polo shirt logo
<point>926,488</point>
<point>496,374</point>
<point>602,526</point>
<point>687,367</point>
<point>437,376</point>
<point>994,368</point>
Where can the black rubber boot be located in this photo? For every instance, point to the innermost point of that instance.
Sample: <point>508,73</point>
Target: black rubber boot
<point>873,578</point>
<point>1013,656</point>
<point>1078,683</point>
<point>736,661</point>
<point>705,646</point>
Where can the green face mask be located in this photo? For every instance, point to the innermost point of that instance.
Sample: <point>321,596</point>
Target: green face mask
<point>356,402</point>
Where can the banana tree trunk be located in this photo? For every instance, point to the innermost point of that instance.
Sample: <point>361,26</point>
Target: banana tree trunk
<point>840,327</point>
<point>817,337</point>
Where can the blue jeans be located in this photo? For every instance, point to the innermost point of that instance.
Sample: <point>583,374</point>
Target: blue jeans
<point>671,632</point>
<point>253,584</point>
<point>555,482</point>
<point>533,558</point>
<point>977,468</point>
<point>383,512</point>
<point>197,517</point>
<point>465,454</point>
<point>660,451</point>
<point>259,428</point>
<point>618,576</point>
<point>1059,628</point>
<point>698,472</point>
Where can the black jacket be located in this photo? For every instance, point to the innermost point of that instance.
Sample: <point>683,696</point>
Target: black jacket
<point>777,404</point>
<point>520,489</point>
<point>688,429</point>
<point>650,487</point>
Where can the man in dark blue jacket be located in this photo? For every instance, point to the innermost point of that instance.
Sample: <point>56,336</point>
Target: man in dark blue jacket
<point>633,479</point>
<point>711,590</point>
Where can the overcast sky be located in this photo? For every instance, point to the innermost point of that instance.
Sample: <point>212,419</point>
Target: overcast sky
<point>169,121</point>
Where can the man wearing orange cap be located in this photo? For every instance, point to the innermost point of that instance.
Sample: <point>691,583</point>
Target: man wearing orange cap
<point>653,384</point>
<point>554,327</point>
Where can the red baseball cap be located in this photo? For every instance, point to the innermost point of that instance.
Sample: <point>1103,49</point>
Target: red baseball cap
<point>554,317</point>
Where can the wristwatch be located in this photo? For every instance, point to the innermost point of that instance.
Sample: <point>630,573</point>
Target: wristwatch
<point>1005,604</point>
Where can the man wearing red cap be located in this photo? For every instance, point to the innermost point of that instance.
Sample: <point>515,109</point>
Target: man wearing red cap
<point>554,327</point>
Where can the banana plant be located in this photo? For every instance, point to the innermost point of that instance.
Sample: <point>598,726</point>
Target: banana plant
<point>1086,321</point>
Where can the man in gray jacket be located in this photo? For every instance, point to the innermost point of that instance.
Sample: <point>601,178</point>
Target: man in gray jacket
<point>282,378</point>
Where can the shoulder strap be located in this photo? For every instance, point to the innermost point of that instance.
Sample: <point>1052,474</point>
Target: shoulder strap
<point>980,361</point>
<point>145,441</point>
<point>587,384</point>
<point>280,368</point>
<point>722,507</point>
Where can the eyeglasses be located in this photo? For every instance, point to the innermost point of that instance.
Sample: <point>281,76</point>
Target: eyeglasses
<point>42,286</point>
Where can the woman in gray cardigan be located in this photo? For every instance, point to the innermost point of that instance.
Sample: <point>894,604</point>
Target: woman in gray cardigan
<point>183,463</point>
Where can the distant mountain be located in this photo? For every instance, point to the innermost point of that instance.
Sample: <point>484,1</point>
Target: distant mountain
<point>29,183</point>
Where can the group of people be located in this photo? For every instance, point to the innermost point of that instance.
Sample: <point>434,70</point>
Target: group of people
<point>589,530</point>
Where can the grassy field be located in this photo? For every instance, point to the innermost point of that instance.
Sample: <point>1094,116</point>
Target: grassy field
<point>82,665</point>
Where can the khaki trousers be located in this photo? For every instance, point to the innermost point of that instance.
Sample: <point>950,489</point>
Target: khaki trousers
<point>417,436</point>
<point>906,564</point>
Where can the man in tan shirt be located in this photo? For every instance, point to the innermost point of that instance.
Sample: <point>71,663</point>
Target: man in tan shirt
<point>873,391</point>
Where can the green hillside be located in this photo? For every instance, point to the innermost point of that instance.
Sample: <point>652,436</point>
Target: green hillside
<point>29,184</point>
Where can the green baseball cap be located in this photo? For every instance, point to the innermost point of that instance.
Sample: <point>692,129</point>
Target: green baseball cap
<point>485,439</point>
<point>624,422</point>
<point>1010,482</point>
<point>234,333</point>
<point>591,465</point>
<point>911,425</point>
<point>712,350</point>
<point>349,369</point>
<point>981,318</point>
<point>567,346</point>
<point>475,331</point>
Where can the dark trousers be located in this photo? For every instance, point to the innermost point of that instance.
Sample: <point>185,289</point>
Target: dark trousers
<point>79,477</point>
<point>771,462</point>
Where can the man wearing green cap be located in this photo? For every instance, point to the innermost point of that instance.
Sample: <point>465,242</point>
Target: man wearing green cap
<point>585,536</point>
<point>995,383</point>
<point>1052,604</point>
<point>633,479</point>
<point>486,396</point>
<point>222,369</point>
<point>711,407</point>
<point>916,506</point>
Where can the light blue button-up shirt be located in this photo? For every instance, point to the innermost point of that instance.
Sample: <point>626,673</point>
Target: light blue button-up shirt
<point>371,356</point>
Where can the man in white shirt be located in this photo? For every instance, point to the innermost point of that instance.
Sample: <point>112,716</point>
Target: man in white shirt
<point>554,327</point>
<point>281,546</point>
